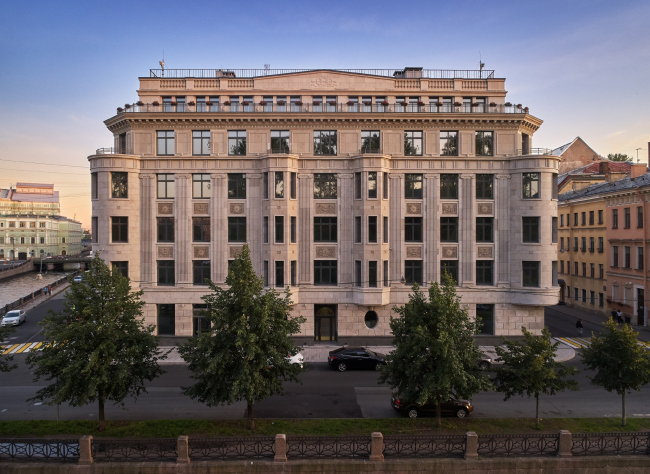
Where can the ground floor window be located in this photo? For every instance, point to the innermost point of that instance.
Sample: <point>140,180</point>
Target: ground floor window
<point>166,320</point>
<point>485,315</point>
<point>199,321</point>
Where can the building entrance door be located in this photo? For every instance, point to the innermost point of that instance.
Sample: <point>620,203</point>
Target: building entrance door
<point>22,255</point>
<point>325,322</point>
<point>639,306</point>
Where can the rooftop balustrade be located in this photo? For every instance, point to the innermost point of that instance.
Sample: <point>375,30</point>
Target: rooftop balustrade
<point>401,73</point>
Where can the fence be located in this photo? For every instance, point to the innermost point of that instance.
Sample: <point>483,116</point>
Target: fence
<point>375,447</point>
<point>24,299</point>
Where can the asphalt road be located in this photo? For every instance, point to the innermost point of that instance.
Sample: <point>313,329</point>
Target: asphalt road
<point>323,393</point>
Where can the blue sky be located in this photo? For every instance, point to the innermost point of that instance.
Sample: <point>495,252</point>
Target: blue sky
<point>581,66</point>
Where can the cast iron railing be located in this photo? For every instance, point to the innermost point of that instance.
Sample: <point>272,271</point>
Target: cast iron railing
<point>518,445</point>
<point>231,448</point>
<point>134,450</point>
<point>251,73</point>
<point>446,446</point>
<point>599,444</point>
<point>328,446</point>
<point>39,450</point>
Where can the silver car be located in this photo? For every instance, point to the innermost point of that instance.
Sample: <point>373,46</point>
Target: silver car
<point>14,318</point>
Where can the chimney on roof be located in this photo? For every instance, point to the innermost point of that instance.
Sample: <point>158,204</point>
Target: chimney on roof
<point>638,169</point>
<point>603,168</point>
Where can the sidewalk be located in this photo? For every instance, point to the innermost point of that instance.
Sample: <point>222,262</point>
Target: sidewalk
<point>600,319</point>
<point>42,298</point>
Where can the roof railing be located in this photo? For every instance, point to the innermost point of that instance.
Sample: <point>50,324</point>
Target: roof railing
<point>251,73</point>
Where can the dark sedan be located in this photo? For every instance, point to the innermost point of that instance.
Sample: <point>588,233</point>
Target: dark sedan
<point>345,358</point>
<point>457,408</point>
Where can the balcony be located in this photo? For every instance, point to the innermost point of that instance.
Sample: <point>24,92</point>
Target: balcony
<point>113,151</point>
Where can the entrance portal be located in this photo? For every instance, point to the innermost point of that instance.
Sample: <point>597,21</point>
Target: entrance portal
<point>325,322</point>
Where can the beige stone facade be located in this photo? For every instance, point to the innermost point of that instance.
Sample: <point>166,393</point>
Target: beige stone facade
<point>451,159</point>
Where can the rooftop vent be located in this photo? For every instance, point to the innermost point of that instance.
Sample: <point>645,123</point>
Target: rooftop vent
<point>409,73</point>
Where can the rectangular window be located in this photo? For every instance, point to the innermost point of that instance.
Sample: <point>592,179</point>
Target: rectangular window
<point>592,270</point>
<point>166,186</point>
<point>357,229</point>
<point>166,273</point>
<point>584,296</point>
<point>357,273</point>
<point>93,186</point>
<point>484,186</point>
<point>357,185</point>
<point>583,248</point>
<point>584,269</point>
<point>293,269</point>
<point>448,186</point>
<point>372,274</point>
<point>600,245</point>
<point>627,253</point>
<point>449,229</point>
<point>600,217</point>
<point>372,229</point>
<point>601,271</point>
<point>325,272</point>
<point>94,229</point>
<point>293,178</point>
<point>627,218</point>
<point>372,185</point>
<point>561,220</point>
<point>561,266</point>
<point>413,229</point>
<point>325,186</point>
<point>583,217</point>
<point>236,186</point>
<point>555,188</point>
<point>592,245</point>
<point>385,186</point>
<point>451,267</point>
<point>201,271</point>
<point>265,185</point>
<point>554,230</point>
<point>325,142</point>
<point>601,299</point>
<point>236,229</point>
<point>591,217</point>
<point>448,143</point>
<point>412,186</point>
<point>484,143</point>
<point>575,218</point>
<point>639,258</point>
<point>575,268</point>
<point>199,322</point>
<point>530,230</point>
<point>576,293</point>
<point>42,240</point>
<point>385,229</point>
<point>485,229</point>
<point>279,274</point>
<point>265,229</point>
<point>412,143</point>
<point>614,218</point>
<point>325,229</point>
<point>166,142</point>
<point>413,272</point>
<point>119,185</point>
<point>166,320</point>
<point>562,243</point>
<point>201,229</point>
<point>485,318</point>
<point>639,217</point>
<point>165,229</point>
<point>615,256</point>
<point>201,186</point>
<point>237,142</point>
<point>279,184</point>
<point>531,187</point>
<point>386,281</point>
<point>293,223</point>
<point>279,229</point>
<point>530,272</point>
<point>279,141</point>
<point>201,142</point>
<point>120,267</point>
<point>485,272</point>
<point>120,229</point>
<point>369,141</point>
<point>265,270</point>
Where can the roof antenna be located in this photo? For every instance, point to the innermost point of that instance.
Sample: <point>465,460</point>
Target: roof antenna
<point>266,68</point>
<point>162,64</point>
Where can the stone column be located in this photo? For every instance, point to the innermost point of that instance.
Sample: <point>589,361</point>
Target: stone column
<point>502,233</point>
<point>345,228</point>
<point>85,450</point>
<point>219,228</point>
<point>565,444</point>
<point>280,448</point>
<point>147,229</point>
<point>396,233</point>
<point>471,446</point>
<point>182,450</point>
<point>467,224</point>
<point>431,227</point>
<point>376,447</point>
<point>183,219</point>
<point>254,219</point>
<point>305,224</point>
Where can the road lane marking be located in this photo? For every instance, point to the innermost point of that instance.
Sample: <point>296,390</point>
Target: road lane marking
<point>37,346</point>
<point>10,349</point>
<point>22,348</point>
<point>569,343</point>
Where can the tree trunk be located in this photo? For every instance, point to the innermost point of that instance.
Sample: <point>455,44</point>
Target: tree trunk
<point>624,420</point>
<point>536,410</point>
<point>438,416</point>
<point>251,420</point>
<point>102,418</point>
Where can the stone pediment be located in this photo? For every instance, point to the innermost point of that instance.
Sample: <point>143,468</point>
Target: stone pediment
<point>324,80</point>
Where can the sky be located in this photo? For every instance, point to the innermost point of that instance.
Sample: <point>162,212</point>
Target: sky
<point>583,67</point>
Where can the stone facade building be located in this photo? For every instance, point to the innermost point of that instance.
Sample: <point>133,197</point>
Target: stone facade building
<point>348,186</point>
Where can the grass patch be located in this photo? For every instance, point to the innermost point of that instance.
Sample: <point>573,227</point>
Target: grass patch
<point>318,427</point>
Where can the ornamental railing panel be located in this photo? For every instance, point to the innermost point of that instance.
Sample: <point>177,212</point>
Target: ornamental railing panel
<point>600,444</point>
<point>328,446</point>
<point>134,450</point>
<point>39,450</point>
<point>446,446</point>
<point>506,445</point>
<point>231,448</point>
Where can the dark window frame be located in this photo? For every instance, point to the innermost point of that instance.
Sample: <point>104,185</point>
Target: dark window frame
<point>237,229</point>
<point>324,268</point>
<point>236,185</point>
<point>165,229</point>
<point>485,186</point>
<point>201,229</point>
<point>325,186</point>
<point>119,185</point>
<point>119,229</point>
<point>413,185</point>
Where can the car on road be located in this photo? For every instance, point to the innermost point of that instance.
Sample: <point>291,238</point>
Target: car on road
<point>484,363</point>
<point>14,318</point>
<point>345,358</point>
<point>453,407</point>
<point>78,279</point>
<point>297,359</point>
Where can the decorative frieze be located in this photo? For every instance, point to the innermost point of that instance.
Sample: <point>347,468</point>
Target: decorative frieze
<point>324,82</point>
<point>450,208</point>
<point>237,208</point>
<point>485,208</point>
<point>449,252</point>
<point>325,252</point>
<point>414,208</point>
<point>165,252</point>
<point>200,208</point>
<point>166,208</point>
<point>325,208</point>
<point>201,252</point>
<point>413,252</point>
<point>235,251</point>
<point>485,252</point>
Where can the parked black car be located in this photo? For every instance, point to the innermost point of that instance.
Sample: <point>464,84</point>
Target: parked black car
<point>345,358</point>
<point>457,408</point>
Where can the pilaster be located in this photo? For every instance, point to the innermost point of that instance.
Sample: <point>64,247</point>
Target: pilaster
<point>396,199</point>
<point>467,224</point>
<point>219,224</point>
<point>305,224</point>
<point>183,238</point>
<point>345,227</point>
<point>254,219</point>
<point>431,230</point>
<point>147,230</point>
<point>502,225</point>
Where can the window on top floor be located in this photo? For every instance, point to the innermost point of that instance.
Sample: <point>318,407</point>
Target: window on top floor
<point>627,218</point>
<point>234,103</point>
<point>639,217</point>
<point>583,217</point>
<point>180,104</point>
<point>591,217</point>
<point>614,218</point>
<point>600,216</point>
<point>247,104</point>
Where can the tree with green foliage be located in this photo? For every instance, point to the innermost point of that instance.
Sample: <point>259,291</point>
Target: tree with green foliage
<point>101,350</point>
<point>618,157</point>
<point>243,356</point>
<point>5,360</point>
<point>434,357</point>
<point>530,368</point>
<point>621,364</point>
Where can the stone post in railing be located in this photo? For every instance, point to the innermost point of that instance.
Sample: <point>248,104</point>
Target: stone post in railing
<point>565,443</point>
<point>377,447</point>
<point>280,448</point>
<point>471,445</point>
<point>182,450</point>
<point>86,450</point>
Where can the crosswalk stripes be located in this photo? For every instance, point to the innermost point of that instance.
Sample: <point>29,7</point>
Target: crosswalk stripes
<point>581,342</point>
<point>20,348</point>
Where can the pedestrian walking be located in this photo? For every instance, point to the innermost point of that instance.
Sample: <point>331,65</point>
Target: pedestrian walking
<point>45,291</point>
<point>579,327</point>
<point>619,318</point>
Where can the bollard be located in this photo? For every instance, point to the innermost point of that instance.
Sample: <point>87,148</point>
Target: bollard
<point>280,448</point>
<point>377,447</point>
<point>182,450</point>
<point>471,445</point>
<point>86,450</point>
<point>565,444</point>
